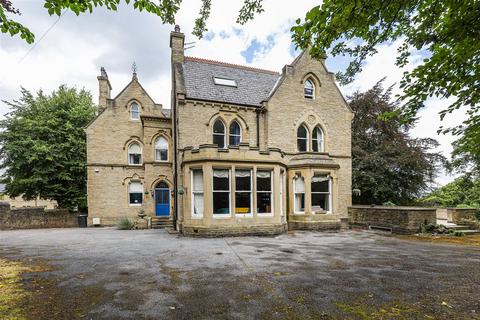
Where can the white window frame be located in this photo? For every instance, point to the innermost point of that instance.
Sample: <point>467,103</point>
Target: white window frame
<point>128,192</point>
<point>265,214</point>
<point>330,204</point>
<point>155,149</point>
<point>229,214</point>
<point>218,134</point>
<point>308,95</point>
<point>321,142</point>
<point>134,103</point>
<point>307,139</point>
<point>249,214</point>
<point>196,192</point>
<point>235,135</point>
<point>128,154</point>
<point>295,195</point>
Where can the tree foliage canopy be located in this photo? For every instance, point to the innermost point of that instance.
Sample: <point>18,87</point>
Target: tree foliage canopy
<point>463,192</point>
<point>388,165</point>
<point>43,146</point>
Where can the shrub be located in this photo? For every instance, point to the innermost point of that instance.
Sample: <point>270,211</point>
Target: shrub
<point>458,234</point>
<point>428,228</point>
<point>125,224</point>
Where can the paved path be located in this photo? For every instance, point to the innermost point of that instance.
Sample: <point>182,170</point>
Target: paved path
<point>347,275</point>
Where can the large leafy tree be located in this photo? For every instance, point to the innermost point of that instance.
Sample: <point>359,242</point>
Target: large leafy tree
<point>466,150</point>
<point>388,164</point>
<point>43,146</point>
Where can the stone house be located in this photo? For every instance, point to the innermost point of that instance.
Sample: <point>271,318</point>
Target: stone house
<point>244,150</point>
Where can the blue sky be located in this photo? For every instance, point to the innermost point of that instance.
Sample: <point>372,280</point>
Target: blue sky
<point>76,47</point>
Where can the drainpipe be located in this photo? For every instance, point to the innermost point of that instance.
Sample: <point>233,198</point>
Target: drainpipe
<point>258,111</point>
<point>175,169</point>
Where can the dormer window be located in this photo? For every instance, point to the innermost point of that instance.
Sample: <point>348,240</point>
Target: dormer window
<point>134,111</point>
<point>309,89</point>
<point>224,82</point>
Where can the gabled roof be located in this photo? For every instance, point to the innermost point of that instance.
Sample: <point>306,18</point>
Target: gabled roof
<point>253,85</point>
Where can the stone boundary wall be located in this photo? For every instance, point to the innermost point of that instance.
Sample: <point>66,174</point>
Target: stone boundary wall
<point>35,217</point>
<point>403,220</point>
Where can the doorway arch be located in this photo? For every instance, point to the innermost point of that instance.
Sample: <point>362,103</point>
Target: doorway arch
<point>162,199</point>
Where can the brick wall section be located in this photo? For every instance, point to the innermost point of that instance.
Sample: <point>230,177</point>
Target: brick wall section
<point>35,217</point>
<point>402,220</point>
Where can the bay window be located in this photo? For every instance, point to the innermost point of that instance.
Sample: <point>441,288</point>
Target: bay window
<point>321,193</point>
<point>221,192</point>
<point>197,193</point>
<point>264,192</point>
<point>243,191</point>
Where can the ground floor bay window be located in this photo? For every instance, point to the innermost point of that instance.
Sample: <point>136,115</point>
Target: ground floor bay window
<point>299,190</point>
<point>221,192</point>
<point>321,193</point>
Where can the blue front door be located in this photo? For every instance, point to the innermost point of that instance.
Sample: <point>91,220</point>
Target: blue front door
<point>162,202</point>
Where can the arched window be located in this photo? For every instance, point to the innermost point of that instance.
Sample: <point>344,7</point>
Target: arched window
<point>161,149</point>
<point>302,138</point>
<point>134,154</point>
<point>219,133</point>
<point>134,111</point>
<point>235,135</point>
<point>317,140</point>
<point>309,89</point>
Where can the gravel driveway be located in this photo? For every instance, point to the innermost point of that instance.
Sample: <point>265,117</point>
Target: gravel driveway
<point>110,274</point>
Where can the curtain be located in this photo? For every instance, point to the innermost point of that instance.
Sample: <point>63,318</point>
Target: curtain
<point>299,185</point>
<point>198,203</point>
<point>242,173</point>
<point>320,178</point>
<point>220,173</point>
<point>161,143</point>
<point>263,174</point>
<point>134,148</point>
<point>135,187</point>
<point>198,180</point>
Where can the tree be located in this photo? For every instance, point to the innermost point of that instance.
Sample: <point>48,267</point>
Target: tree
<point>43,146</point>
<point>466,150</point>
<point>388,164</point>
<point>463,191</point>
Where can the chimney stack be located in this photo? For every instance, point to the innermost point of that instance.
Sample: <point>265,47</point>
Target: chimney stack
<point>177,40</point>
<point>104,88</point>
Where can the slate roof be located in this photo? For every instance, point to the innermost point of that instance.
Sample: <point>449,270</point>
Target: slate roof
<point>253,85</point>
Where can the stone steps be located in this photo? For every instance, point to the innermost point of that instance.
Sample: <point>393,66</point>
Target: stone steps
<point>467,230</point>
<point>162,223</point>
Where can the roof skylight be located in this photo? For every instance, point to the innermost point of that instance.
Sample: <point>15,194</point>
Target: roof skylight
<point>224,82</point>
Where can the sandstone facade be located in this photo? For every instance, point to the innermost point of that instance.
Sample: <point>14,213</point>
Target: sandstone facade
<point>250,151</point>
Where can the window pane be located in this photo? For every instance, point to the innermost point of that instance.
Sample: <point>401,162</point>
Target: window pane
<point>221,203</point>
<point>219,140</point>
<point>264,202</point>
<point>235,128</point>
<point>135,159</point>
<point>299,202</point>
<point>264,181</point>
<point>242,180</point>
<point>320,201</point>
<point>302,132</point>
<point>221,180</point>
<point>135,198</point>
<point>218,127</point>
<point>320,184</point>
<point>198,203</point>
<point>242,202</point>
<point>302,144</point>
<point>234,140</point>
<point>299,185</point>
<point>197,180</point>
